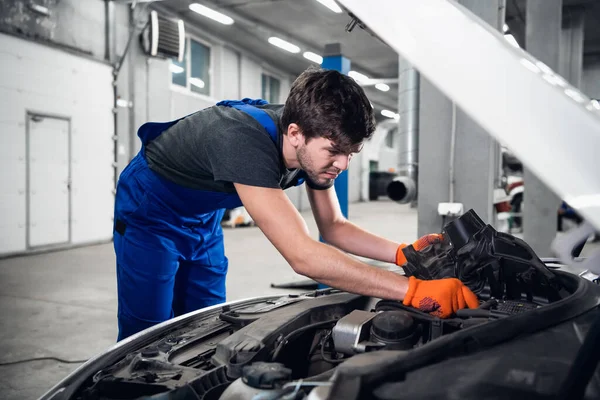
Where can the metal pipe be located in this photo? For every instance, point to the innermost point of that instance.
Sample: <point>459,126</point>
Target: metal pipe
<point>403,188</point>
<point>452,155</point>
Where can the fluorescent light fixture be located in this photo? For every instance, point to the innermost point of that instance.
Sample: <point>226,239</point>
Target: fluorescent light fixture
<point>382,86</point>
<point>332,5</point>
<point>358,77</point>
<point>309,55</point>
<point>505,28</point>
<point>181,28</point>
<point>282,44</point>
<point>154,30</point>
<point>39,9</point>
<point>210,13</point>
<point>197,82</point>
<point>122,103</point>
<point>390,114</point>
<point>176,69</point>
<point>511,39</point>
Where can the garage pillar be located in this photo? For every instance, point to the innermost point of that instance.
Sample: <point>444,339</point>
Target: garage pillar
<point>540,204</point>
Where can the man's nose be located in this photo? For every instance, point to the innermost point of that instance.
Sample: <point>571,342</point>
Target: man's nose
<point>341,162</point>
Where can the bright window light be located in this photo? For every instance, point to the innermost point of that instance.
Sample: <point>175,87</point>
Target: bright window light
<point>210,13</point>
<point>382,86</point>
<point>309,55</point>
<point>332,5</point>
<point>358,77</point>
<point>176,69</point>
<point>197,82</point>
<point>511,39</point>
<point>282,44</point>
<point>390,114</point>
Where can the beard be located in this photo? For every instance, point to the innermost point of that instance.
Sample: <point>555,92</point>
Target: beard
<point>308,166</point>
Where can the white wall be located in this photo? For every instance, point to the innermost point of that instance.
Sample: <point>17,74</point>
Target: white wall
<point>36,78</point>
<point>251,84</point>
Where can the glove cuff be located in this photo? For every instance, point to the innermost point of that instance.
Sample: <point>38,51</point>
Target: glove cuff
<point>412,288</point>
<point>400,257</point>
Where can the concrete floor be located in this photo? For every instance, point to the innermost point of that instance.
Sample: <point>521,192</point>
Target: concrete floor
<point>63,304</point>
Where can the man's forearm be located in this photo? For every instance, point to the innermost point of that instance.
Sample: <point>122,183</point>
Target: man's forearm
<point>355,240</point>
<point>332,267</point>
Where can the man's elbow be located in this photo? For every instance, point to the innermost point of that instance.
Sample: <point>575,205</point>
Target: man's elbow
<point>302,260</point>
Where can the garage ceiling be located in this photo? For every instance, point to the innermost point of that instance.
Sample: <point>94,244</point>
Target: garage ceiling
<point>311,26</point>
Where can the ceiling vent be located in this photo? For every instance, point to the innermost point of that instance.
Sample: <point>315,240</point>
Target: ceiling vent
<point>163,37</point>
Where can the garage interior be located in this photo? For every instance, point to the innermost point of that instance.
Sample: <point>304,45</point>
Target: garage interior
<point>81,76</point>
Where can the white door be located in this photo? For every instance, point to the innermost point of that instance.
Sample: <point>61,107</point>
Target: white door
<point>48,181</point>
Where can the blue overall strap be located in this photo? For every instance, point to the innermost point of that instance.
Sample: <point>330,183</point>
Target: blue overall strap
<point>247,105</point>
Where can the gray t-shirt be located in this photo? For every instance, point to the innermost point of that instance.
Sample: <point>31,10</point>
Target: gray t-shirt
<point>215,147</point>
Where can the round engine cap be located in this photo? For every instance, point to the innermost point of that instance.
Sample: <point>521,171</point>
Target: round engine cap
<point>264,375</point>
<point>392,325</point>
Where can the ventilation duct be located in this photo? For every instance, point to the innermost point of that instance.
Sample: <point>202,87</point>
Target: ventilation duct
<point>403,189</point>
<point>163,37</point>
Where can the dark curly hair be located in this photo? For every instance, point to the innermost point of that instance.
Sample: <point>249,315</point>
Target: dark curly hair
<point>326,103</point>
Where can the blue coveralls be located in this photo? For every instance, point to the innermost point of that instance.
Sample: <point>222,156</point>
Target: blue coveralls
<point>168,239</point>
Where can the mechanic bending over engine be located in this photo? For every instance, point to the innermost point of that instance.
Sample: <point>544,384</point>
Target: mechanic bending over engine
<point>171,198</point>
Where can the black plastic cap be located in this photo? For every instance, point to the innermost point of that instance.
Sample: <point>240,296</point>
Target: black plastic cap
<point>462,229</point>
<point>392,325</point>
<point>264,375</point>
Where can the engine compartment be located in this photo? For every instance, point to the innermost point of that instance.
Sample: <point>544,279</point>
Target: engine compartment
<point>240,352</point>
<point>328,344</point>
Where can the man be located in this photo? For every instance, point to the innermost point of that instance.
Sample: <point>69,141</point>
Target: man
<point>171,198</point>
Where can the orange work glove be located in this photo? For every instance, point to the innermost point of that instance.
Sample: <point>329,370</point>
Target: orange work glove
<point>418,245</point>
<point>440,297</point>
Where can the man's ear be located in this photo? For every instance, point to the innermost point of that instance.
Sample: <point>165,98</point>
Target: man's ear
<point>295,135</point>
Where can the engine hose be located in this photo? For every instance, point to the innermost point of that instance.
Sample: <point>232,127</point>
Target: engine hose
<point>299,331</point>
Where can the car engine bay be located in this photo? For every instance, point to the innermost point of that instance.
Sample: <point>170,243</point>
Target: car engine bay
<point>328,344</point>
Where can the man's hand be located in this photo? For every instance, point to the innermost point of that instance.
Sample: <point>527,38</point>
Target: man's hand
<point>418,245</point>
<point>441,297</point>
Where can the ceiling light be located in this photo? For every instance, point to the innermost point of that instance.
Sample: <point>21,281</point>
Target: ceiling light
<point>176,69</point>
<point>511,39</point>
<point>382,86</point>
<point>505,28</point>
<point>390,114</point>
<point>358,77</point>
<point>332,5</point>
<point>39,9</point>
<point>210,13</point>
<point>595,104</point>
<point>309,55</point>
<point>197,82</point>
<point>282,44</point>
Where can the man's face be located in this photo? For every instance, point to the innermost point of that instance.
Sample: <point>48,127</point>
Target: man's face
<point>323,161</point>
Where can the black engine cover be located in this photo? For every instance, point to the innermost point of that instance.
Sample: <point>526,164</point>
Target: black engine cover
<point>485,260</point>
